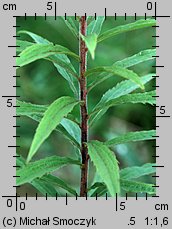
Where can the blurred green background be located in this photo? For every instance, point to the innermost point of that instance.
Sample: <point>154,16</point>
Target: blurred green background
<point>42,84</point>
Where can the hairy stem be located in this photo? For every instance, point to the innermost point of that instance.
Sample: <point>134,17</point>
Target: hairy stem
<point>83,109</point>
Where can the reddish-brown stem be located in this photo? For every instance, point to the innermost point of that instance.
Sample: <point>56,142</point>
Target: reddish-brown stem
<point>83,109</point>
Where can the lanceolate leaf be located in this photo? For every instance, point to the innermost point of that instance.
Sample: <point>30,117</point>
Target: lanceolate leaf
<point>41,186</point>
<point>125,28</point>
<point>39,51</point>
<point>96,185</point>
<point>137,58</point>
<point>144,98</point>
<point>137,171</point>
<point>100,191</point>
<point>140,57</point>
<point>39,168</point>
<point>52,117</point>
<point>38,39</point>
<point>71,25</point>
<point>72,128</point>
<point>28,109</point>
<point>106,165</point>
<point>96,25</point>
<point>126,185</point>
<point>44,188</point>
<point>60,61</point>
<point>122,88</point>
<point>64,68</point>
<point>56,182</point>
<point>132,137</point>
<point>89,20</point>
<point>20,161</point>
<point>67,127</point>
<point>133,186</point>
<point>22,45</point>
<point>91,43</point>
<point>116,70</point>
<point>47,183</point>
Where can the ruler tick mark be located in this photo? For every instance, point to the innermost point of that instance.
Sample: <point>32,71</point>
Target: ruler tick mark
<point>55,10</point>
<point>116,202</point>
<point>66,199</point>
<point>158,166</point>
<point>145,16</point>
<point>135,16</point>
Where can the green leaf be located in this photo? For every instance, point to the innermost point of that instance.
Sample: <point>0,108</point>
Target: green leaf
<point>140,57</point>
<point>56,182</point>
<point>137,171</point>
<point>39,51</point>
<point>64,128</point>
<point>56,61</point>
<point>28,109</point>
<point>47,183</point>
<point>140,24</point>
<point>137,58</point>
<point>116,70</point>
<point>96,185</point>
<point>52,117</point>
<point>100,191</point>
<point>122,88</point>
<point>89,20</point>
<point>95,25</point>
<point>128,186</point>
<point>44,188</point>
<point>133,186</point>
<point>132,137</point>
<point>64,67</point>
<point>106,165</point>
<point>39,168</point>
<point>71,25</point>
<point>41,186</point>
<point>38,39</point>
<point>61,62</point>
<point>20,161</point>
<point>144,98</point>
<point>91,43</point>
<point>72,128</point>
<point>67,127</point>
<point>22,45</point>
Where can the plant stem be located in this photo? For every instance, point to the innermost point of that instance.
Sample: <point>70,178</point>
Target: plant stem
<point>83,109</point>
